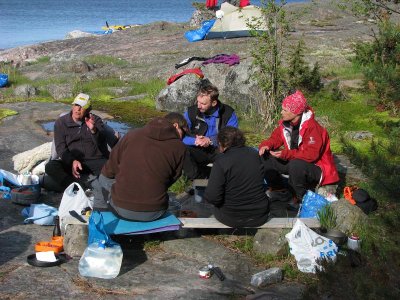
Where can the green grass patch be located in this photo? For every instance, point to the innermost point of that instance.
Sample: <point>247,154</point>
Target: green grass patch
<point>103,60</point>
<point>98,83</point>
<point>135,112</point>
<point>6,113</point>
<point>350,115</point>
<point>181,185</point>
<point>153,245</point>
<point>151,88</point>
<point>40,60</point>
<point>350,71</point>
<point>14,76</point>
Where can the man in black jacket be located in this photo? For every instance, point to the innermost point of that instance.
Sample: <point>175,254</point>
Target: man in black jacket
<point>80,139</point>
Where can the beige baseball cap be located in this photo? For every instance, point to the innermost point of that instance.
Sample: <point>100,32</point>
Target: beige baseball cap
<point>82,100</point>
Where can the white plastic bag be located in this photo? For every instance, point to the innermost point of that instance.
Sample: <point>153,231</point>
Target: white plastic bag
<point>73,200</point>
<point>307,247</point>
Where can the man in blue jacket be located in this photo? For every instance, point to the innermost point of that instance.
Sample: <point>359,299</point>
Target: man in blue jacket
<point>205,120</point>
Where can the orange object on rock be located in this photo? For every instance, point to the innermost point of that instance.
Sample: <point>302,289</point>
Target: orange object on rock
<point>348,194</point>
<point>55,245</point>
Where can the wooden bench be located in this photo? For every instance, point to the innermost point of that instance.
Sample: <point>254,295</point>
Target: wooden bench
<point>202,183</point>
<point>273,223</point>
<point>213,223</point>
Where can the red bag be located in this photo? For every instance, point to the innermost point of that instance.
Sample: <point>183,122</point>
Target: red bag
<point>244,3</point>
<point>211,3</point>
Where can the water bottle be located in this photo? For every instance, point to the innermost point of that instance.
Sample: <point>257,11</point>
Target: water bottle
<point>101,261</point>
<point>56,229</point>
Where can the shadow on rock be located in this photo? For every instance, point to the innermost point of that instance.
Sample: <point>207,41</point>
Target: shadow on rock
<point>133,249</point>
<point>13,244</point>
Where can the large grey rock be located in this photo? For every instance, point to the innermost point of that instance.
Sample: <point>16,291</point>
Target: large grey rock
<point>206,251</point>
<point>349,173</point>
<point>348,216</point>
<point>360,135</point>
<point>269,241</point>
<point>283,291</point>
<point>60,91</point>
<point>79,67</point>
<point>236,84</point>
<point>75,240</point>
<point>179,95</point>
<point>25,91</point>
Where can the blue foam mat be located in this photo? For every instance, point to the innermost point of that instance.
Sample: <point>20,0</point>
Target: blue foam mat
<point>114,225</point>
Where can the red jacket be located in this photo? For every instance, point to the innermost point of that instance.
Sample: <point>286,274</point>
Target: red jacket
<point>314,146</point>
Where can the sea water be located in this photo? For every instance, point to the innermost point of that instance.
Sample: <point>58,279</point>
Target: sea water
<point>25,22</point>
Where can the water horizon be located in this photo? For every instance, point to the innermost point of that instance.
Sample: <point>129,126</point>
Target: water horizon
<point>28,22</point>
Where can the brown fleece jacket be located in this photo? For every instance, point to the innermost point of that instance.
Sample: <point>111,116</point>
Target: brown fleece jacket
<point>145,163</point>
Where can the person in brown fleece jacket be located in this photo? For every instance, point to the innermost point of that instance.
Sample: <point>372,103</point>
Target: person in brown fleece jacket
<point>142,166</point>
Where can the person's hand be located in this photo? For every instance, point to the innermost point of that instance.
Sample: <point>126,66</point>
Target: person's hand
<point>262,150</point>
<point>90,121</point>
<point>276,154</point>
<point>76,167</point>
<point>202,141</point>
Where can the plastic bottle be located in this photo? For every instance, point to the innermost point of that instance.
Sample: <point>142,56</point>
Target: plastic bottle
<point>100,261</point>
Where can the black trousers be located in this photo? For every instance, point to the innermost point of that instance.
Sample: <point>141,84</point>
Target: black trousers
<point>196,161</point>
<point>61,174</point>
<point>302,175</point>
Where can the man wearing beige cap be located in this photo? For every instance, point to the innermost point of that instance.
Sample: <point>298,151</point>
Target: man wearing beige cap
<point>80,139</point>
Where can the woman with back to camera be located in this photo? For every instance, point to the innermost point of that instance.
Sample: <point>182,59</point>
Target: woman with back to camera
<point>236,183</point>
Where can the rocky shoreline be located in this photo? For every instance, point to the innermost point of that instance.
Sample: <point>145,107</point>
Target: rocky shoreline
<point>328,33</point>
<point>171,271</point>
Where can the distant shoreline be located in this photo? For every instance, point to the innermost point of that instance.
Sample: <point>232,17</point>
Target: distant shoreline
<point>37,32</point>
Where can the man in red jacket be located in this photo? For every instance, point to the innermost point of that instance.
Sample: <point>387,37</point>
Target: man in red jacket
<point>306,155</point>
<point>142,166</point>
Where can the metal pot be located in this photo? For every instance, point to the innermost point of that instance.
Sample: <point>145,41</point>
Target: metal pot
<point>337,236</point>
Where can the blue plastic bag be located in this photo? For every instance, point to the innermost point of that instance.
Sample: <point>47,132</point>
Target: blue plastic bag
<point>3,80</point>
<point>40,214</point>
<point>312,203</point>
<point>199,34</point>
<point>97,231</point>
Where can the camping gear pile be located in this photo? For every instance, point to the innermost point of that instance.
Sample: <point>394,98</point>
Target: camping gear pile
<point>21,189</point>
<point>361,198</point>
<point>231,22</point>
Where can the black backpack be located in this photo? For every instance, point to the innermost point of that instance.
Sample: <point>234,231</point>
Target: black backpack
<point>364,201</point>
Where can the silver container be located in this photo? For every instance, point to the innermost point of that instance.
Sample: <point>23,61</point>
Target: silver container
<point>354,243</point>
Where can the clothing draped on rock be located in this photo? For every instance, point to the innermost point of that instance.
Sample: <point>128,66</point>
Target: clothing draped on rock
<point>230,60</point>
<point>175,77</point>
